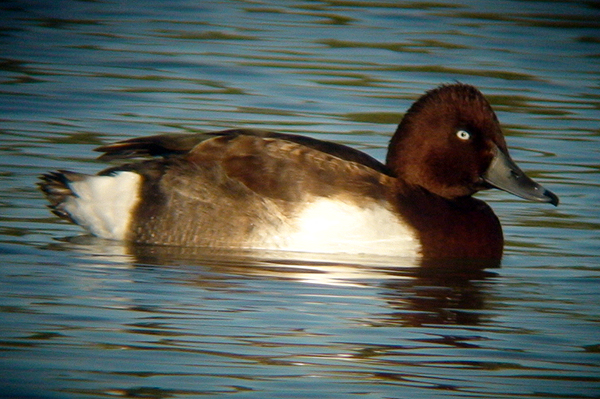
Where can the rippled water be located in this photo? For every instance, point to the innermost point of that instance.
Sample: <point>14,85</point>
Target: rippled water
<point>82,317</point>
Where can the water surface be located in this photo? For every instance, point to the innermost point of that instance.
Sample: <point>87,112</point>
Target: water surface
<point>83,317</point>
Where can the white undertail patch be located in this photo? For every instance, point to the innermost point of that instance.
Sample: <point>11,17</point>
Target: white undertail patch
<point>104,205</point>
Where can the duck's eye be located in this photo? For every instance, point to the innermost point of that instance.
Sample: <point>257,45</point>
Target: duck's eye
<point>463,135</point>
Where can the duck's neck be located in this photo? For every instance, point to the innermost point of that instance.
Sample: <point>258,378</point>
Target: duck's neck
<point>461,228</point>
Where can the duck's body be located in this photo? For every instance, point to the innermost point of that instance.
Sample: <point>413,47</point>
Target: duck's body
<point>256,189</point>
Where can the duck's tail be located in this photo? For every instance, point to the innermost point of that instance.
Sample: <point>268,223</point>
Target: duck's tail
<point>56,187</point>
<point>102,204</point>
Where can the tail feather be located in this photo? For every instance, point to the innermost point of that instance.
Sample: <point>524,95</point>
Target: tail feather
<point>56,187</point>
<point>102,204</point>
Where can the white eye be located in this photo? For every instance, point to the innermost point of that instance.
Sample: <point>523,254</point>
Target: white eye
<point>463,135</point>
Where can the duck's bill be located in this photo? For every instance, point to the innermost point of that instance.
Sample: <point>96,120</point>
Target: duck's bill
<point>504,174</point>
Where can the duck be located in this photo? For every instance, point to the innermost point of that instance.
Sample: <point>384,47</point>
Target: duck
<point>257,189</point>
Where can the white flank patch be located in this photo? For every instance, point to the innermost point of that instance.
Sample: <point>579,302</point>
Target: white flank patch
<point>332,226</point>
<point>104,204</point>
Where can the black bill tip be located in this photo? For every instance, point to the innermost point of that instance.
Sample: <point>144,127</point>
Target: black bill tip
<point>552,198</point>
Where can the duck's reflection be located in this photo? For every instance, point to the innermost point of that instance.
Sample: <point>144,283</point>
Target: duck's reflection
<point>419,292</point>
<point>438,297</point>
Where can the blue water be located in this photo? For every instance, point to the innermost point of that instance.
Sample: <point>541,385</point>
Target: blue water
<point>86,318</point>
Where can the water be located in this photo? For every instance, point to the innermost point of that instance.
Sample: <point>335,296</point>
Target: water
<point>82,317</point>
